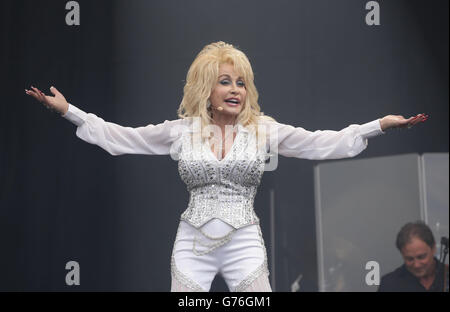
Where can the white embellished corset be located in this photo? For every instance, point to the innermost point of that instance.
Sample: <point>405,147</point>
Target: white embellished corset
<point>223,189</point>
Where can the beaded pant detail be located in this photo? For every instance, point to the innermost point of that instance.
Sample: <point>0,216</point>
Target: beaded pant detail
<point>238,255</point>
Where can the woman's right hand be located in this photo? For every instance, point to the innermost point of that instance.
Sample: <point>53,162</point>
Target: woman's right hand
<point>57,103</point>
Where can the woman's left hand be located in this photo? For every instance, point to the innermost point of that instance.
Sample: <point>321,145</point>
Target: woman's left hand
<point>398,121</point>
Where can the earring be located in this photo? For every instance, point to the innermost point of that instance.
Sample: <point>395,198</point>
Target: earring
<point>208,104</point>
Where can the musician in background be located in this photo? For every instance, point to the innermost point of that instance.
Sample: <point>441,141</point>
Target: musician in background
<point>422,271</point>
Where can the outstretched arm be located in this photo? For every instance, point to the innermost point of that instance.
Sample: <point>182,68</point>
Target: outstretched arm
<point>115,139</point>
<point>297,142</point>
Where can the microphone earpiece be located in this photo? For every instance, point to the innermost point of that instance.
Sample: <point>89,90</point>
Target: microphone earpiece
<point>220,108</point>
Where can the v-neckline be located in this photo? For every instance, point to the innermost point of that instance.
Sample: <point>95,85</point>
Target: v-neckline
<point>229,151</point>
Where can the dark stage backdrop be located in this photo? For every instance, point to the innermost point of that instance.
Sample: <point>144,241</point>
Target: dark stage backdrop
<point>317,65</point>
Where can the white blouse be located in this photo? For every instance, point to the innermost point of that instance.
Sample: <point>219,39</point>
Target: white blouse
<point>156,139</point>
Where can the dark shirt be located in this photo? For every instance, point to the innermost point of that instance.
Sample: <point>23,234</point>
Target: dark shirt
<point>403,280</point>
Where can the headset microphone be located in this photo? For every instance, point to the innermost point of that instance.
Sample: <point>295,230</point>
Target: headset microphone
<point>220,108</point>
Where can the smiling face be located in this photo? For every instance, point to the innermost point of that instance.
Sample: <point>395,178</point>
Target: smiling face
<point>229,92</point>
<point>418,257</point>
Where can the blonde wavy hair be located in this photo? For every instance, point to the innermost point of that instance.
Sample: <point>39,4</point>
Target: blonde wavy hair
<point>202,77</point>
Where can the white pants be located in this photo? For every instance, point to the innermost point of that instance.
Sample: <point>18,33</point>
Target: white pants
<point>238,255</point>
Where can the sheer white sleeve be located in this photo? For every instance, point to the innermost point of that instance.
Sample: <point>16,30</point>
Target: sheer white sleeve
<point>297,142</point>
<point>117,140</point>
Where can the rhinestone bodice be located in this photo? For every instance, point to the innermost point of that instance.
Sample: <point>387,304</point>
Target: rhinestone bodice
<point>223,189</point>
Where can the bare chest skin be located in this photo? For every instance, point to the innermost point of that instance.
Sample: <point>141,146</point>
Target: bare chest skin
<point>227,145</point>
